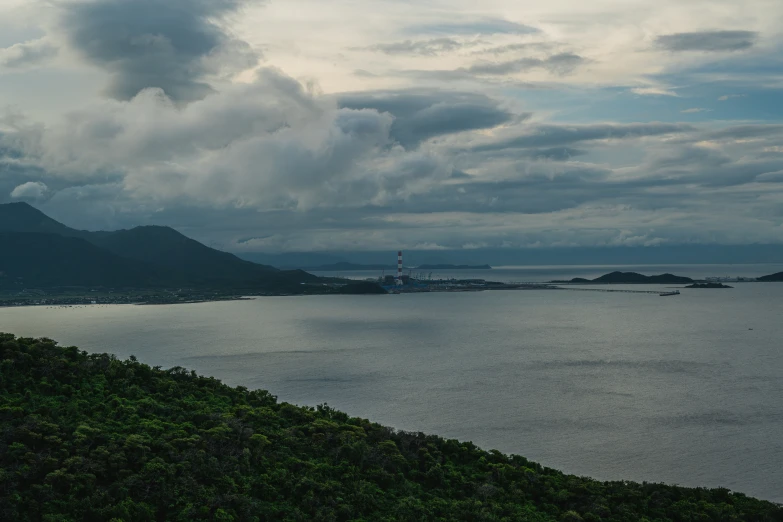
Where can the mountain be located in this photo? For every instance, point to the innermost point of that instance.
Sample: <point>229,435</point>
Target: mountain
<point>46,260</point>
<point>142,256</point>
<point>772,277</point>
<point>631,278</point>
<point>166,248</point>
<point>21,217</point>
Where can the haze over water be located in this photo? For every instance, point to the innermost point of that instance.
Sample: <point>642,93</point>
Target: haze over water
<point>684,389</point>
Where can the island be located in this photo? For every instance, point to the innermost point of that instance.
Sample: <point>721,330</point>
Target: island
<point>708,285</point>
<point>93,437</point>
<point>631,278</point>
<point>772,277</point>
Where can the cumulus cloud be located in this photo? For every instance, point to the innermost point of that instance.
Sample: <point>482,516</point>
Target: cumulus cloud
<point>27,54</point>
<point>30,190</point>
<point>174,45</point>
<point>710,41</point>
<point>268,144</point>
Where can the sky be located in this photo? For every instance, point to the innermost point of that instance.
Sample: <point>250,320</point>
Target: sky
<point>328,125</point>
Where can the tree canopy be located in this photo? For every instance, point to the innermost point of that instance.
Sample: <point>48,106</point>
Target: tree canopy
<point>89,437</point>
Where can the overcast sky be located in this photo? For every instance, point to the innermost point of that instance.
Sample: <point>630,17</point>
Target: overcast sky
<point>307,125</point>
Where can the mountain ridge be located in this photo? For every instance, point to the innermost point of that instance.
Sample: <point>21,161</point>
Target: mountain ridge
<point>145,255</point>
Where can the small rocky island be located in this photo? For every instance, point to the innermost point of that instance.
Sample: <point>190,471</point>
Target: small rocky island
<point>708,285</point>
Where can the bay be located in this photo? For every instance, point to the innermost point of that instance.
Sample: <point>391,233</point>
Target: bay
<point>684,389</point>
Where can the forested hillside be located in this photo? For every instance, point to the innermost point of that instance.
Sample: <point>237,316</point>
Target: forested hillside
<point>93,438</point>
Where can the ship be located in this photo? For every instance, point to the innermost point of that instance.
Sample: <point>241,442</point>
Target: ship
<point>665,294</point>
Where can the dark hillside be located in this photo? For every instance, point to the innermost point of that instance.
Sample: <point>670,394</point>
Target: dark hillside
<point>48,260</point>
<point>21,217</point>
<point>772,277</point>
<point>150,256</point>
<point>167,248</point>
<point>92,438</point>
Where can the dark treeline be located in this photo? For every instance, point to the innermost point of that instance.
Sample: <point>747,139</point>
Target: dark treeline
<point>93,438</point>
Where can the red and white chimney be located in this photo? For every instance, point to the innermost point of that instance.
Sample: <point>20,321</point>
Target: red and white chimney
<point>399,267</point>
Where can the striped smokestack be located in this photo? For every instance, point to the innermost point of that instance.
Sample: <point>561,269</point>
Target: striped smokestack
<point>399,266</point>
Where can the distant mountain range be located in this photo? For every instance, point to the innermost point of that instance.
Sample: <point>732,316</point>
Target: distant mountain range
<point>344,266</point>
<point>453,267</point>
<point>543,256</point>
<point>37,251</point>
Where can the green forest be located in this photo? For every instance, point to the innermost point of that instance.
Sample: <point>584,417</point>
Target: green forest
<point>89,437</point>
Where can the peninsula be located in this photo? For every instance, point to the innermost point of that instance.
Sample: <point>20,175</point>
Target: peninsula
<point>92,437</point>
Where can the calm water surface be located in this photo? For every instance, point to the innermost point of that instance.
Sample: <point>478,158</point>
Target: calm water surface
<point>684,389</point>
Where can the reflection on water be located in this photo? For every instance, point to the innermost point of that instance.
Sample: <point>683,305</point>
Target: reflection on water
<point>684,389</point>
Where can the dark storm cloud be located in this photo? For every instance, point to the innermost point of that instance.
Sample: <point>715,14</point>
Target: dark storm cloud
<point>423,115</point>
<point>561,135</point>
<point>430,47</point>
<point>153,43</point>
<point>712,41</point>
<point>561,63</point>
<point>486,26</point>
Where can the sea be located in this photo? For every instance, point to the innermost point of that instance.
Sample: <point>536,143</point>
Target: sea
<point>684,390</point>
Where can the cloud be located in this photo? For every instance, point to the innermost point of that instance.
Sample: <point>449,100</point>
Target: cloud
<point>422,115</point>
<point>654,91</point>
<point>562,135</point>
<point>710,41</point>
<point>432,47</point>
<point>695,110</point>
<point>174,45</point>
<point>458,154</point>
<point>269,144</point>
<point>486,26</point>
<point>727,97</point>
<point>27,54</point>
<point>30,190</point>
<point>509,48</point>
<point>561,63</point>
